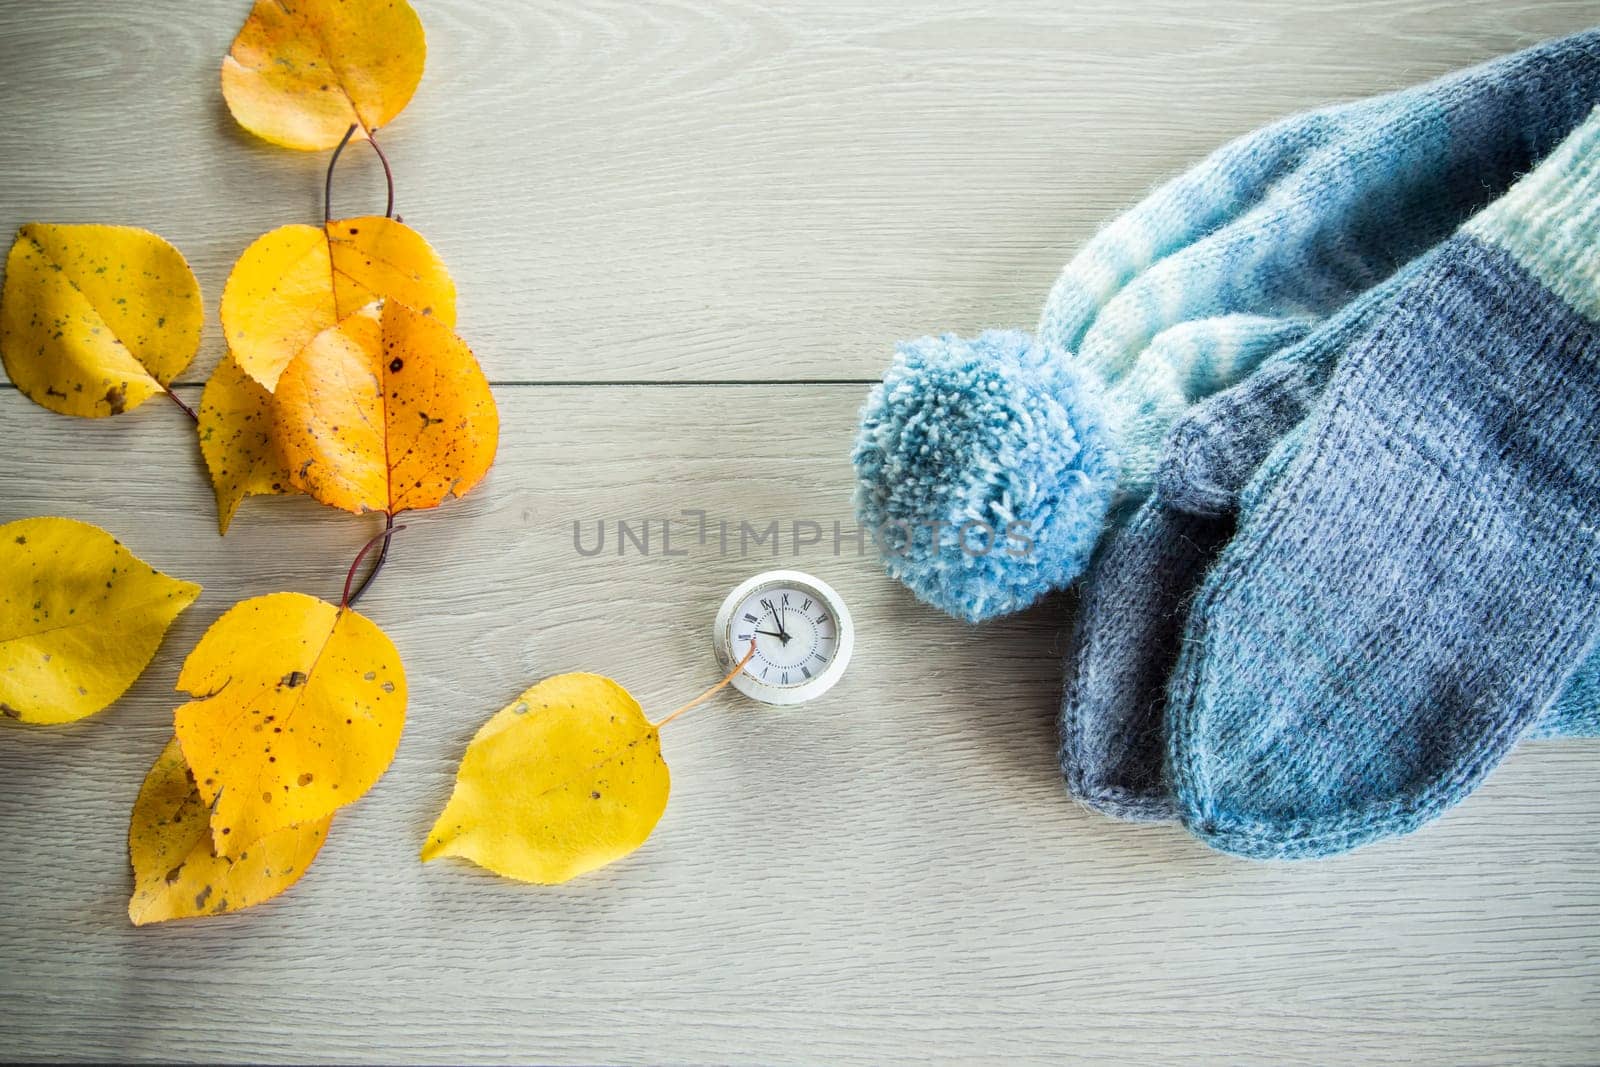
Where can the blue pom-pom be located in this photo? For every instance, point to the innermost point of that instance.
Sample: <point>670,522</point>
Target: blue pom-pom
<point>986,470</point>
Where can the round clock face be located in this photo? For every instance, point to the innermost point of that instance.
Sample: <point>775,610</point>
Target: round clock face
<point>802,633</point>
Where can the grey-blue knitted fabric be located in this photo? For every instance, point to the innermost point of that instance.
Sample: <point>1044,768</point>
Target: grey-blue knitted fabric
<point>1420,578</point>
<point>1135,602</point>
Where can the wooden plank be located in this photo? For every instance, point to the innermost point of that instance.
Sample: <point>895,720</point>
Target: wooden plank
<point>892,875</point>
<point>716,189</point>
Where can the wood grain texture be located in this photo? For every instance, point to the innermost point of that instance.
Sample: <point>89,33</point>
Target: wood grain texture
<point>716,189</point>
<point>709,191</point>
<point>891,875</point>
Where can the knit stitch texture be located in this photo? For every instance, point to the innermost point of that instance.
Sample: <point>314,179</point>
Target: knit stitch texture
<point>1418,581</point>
<point>1180,297</point>
<point>1135,601</point>
<point>1134,604</point>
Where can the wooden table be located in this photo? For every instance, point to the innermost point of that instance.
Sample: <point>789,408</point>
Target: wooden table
<point>674,228</point>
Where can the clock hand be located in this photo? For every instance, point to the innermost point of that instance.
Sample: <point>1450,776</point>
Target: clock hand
<point>769,633</point>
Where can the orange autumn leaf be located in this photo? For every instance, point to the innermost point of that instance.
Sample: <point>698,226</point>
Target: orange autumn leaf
<point>302,72</point>
<point>387,411</point>
<point>296,281</point>
<point>297,710</point>
<point>176,873</point>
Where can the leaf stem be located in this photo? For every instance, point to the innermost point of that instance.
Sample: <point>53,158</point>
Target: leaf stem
<point>327,183</point>
<point>388,175</point>
<point>709,693</point>
<point>389,530</point>
<point>178,400</point>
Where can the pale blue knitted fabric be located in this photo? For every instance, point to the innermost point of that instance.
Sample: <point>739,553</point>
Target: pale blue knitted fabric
<point>1036,438</point>
<point>1419,578</point>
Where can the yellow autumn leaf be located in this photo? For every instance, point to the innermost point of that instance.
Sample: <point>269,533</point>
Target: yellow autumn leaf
<point>302,72</point>
<point>95,320</point>
<point>297,710</point>
<point>80,618</point>
<point>567,778</point>
<point>296,281</point>
<point>176,873</point>
<point>237,440</point>
<point>387,411</point>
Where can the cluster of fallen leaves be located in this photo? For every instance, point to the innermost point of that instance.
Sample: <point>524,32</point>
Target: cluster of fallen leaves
<point>343,380</point>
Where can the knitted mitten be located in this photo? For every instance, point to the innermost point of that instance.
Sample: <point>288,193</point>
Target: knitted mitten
<point>989,466</point>
<point>1134,603</point>
<point>1420,579</point>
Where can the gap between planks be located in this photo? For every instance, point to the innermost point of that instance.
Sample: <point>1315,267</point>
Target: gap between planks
<point>585,382</point>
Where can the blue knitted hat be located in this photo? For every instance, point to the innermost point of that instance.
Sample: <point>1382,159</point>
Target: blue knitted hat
<point>987,467</point>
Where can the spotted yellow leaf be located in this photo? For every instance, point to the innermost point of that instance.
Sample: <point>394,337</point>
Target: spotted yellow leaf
<point>95,320</point>
<point>567,778</point>
<point>302,72</point>
<point>177,874</point>
<point>297,710</point>
<point>296,281</point>
<point>387,411</point>
<point>80,618</point>
<point>237,440</point>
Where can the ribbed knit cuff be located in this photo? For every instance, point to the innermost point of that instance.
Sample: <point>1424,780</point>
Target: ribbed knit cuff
<point>1550,220</point>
